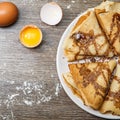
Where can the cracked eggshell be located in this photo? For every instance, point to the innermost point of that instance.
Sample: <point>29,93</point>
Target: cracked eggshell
<point>51,13</point>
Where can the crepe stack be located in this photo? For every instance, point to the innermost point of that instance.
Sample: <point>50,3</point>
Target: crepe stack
<point>90,81</point>
<point>96,33</point>
<point>102,34</point>
<point>108,15</point>
<point>86,41</point>
<point>112,101</point>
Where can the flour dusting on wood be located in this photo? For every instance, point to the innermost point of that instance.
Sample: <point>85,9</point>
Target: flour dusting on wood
<point>26,93</point>
<point>31,93</point>
<point>69,6</point>
<point>73,1</point>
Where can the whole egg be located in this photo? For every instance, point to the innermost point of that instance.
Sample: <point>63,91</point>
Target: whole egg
<point>8,13</point>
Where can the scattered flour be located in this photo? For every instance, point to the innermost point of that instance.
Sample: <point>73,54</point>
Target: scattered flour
<point>11,82</point>
<point>29,93</point>
<point>69,6</point>
<point>10,100</point>
<point>58,87</point>
<point>4,117</point>
<point>10,97</point>
<point>73,1</point>
<point>52,75</point>
<point>29,103</point>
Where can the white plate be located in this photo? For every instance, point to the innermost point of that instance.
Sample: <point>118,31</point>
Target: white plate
<point>62,67</point>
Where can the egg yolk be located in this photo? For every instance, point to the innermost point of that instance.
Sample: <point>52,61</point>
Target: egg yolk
<point>31,37</point>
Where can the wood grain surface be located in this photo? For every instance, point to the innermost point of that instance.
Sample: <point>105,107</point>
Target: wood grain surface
<point>29,85</point>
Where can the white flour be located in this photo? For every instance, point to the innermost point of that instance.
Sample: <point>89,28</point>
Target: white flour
<point>11,82</point>
<point>29,93</point>
<point>73,1</point>
<point>69,6</point>
<point>58,87</point>
<point>32,93</point>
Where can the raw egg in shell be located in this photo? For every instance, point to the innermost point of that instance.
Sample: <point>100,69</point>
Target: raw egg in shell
<point>8,13</point>
<point>30,36</point>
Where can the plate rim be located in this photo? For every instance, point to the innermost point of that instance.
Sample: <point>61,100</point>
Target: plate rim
<point>66,88</point>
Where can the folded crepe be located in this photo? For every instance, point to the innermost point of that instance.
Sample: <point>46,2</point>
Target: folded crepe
<point>112,101</point>
<point>90,81</point>
<point>86,39</point>
<point>108,15</point>
<point>70,82</point>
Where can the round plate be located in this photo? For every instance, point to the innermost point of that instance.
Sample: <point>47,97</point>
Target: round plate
<point>62,67</point>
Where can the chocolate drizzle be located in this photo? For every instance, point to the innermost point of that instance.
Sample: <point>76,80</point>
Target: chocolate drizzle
<point>92,59</point>
<point>115,28</point>
<point>117,79</point>
<point>114,96</point>
<point>84,40</point>
<point>90,77</point>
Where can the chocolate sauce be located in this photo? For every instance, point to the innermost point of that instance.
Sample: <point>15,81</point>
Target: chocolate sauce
<point>83,38</point>
<point>90,77</point>
<point>115,24</point>
<point>116,16</point>
<point>114,96</point>
<point>92,59</point>
<point>116,78</point>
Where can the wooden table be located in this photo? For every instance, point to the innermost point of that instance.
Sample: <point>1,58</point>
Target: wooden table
<point>29,85</point>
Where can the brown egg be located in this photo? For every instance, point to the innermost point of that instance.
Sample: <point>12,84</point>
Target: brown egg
<point>8,13</point>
